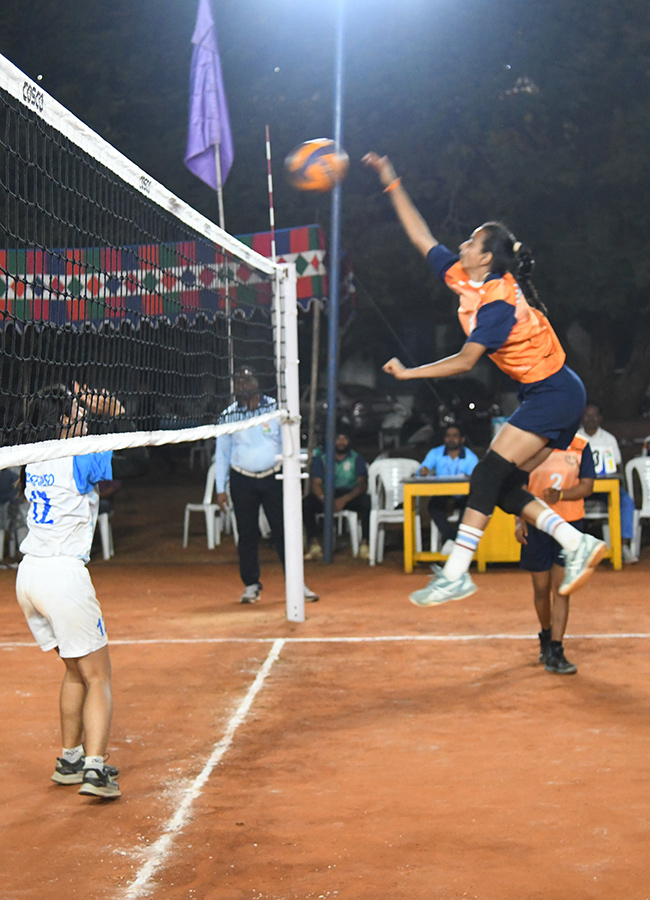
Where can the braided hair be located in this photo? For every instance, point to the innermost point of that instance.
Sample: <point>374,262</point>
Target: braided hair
<point>509,255</point>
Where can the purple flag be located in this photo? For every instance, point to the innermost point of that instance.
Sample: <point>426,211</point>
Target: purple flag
<point>209,125</point>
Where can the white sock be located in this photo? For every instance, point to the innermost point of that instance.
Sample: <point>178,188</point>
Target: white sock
<point>94,762</point>
<point>564,533</point>
<point>73,754</point>
<point>467,540</point>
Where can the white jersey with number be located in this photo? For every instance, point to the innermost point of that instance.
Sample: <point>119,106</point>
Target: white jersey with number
<point>63,504</point>
<point>605,450</point>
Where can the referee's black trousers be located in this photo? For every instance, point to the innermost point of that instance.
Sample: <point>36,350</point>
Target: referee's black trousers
<point>248,494</point>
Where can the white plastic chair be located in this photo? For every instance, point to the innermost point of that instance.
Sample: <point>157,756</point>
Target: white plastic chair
<point>351,519</point>
<point>211,511</point>
<point>204,450</point>
<point>386,487</point>
<point>641,467</point>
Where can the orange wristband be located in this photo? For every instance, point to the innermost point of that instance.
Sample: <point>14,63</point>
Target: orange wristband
<point>392,185</point>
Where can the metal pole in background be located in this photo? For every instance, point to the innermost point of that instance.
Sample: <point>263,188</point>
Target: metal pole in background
<point>333,317</point>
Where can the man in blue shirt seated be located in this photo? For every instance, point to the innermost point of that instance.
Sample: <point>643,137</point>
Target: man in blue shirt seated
<point>350,492</point>
<point>451,459</point>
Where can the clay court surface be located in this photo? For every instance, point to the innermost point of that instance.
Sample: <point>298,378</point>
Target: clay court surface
<point>375,751</point>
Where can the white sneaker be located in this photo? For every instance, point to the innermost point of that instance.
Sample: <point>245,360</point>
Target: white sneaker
<point>579,564</point>
<point>441,590</point>
<point>310,596</point>
<point>252,593</point>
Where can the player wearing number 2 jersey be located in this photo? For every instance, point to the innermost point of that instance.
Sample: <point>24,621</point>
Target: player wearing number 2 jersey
<point>501,316</point>
<point>563,481</point>
<point>56,594</point>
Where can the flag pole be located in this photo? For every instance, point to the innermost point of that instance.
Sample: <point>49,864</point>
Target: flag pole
<point>217,160</point>
<point>269,176</point>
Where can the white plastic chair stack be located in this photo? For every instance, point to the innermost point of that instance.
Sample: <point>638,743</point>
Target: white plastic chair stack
<point>641,467</point>
<point>386,486</point>
<point>211,511</point>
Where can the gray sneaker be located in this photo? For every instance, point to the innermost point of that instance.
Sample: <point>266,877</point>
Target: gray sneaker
<point>100,784</point>
<point>252,593</point>
<point>73,773</point>
<point>441,590</point>
<point>310,596</point>
<point>579,564</point>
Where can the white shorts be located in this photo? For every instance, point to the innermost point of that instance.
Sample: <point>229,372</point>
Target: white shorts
<point>58,600</point>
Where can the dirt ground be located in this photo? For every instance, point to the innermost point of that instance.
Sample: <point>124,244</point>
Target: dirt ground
<point>376,750</point>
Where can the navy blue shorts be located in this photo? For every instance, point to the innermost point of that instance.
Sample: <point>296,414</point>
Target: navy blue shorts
<point>542,551</point>
<point>552,408</point>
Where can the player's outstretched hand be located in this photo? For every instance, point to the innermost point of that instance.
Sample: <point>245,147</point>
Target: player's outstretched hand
<point>98,402</point>
<point>396,368</point>
<point>382,166</point>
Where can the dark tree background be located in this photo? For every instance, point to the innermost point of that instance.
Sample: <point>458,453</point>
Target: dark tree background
<point>534,112</point>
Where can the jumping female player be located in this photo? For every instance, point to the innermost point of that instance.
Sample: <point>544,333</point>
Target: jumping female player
<point>499,316</point>
<point>54,588</point>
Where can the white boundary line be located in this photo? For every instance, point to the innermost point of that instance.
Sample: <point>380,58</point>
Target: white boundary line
<point>159,851</point>
<point>369,639</point>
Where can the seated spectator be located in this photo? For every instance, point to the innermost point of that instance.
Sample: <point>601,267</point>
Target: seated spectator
<point>350,492</point>
<point>608,462</point>
<point>450,459</point>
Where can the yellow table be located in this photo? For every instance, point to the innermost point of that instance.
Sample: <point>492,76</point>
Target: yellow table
<point>611,487</point>
<point>498,543</point>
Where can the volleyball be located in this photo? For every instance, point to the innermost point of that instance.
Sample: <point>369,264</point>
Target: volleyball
<point>316,165</point>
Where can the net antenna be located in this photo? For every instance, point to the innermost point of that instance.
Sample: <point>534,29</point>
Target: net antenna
<point>110,285</point>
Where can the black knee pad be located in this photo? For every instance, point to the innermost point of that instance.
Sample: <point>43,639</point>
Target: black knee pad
<point>487,480</point>
<point>513,495</point>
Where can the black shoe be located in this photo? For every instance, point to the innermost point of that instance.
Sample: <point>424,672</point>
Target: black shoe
<point>100,784</point>
<point>73,773</point>
<point>557,662</point>
<point>68,772</point>
<point>544,643</point>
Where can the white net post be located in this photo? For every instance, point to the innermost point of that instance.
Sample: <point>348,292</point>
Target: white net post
<point>292,494</point>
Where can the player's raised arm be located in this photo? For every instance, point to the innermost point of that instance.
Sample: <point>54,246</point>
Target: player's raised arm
<point>412,222</point>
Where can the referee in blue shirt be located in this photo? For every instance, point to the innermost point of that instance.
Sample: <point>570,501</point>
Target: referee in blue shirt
<point>250,461</point>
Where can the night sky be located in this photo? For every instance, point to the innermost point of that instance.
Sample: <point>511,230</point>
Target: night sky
<point>123,67</point>
<point>531,111</point>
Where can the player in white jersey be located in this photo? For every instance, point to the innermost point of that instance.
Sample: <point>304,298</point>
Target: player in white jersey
<point>56,594</point>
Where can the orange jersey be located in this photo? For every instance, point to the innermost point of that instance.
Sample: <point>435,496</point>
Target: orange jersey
<point>531,351</point>
<point>561,470</point>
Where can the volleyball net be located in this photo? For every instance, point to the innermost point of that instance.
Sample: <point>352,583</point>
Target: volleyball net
<point>110,283</point>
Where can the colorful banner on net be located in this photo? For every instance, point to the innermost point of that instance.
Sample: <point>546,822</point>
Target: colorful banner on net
<point>172,280</point>
<point>304,246</point>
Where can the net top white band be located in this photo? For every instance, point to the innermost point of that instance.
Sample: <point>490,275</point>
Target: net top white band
<point>96,443</point>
